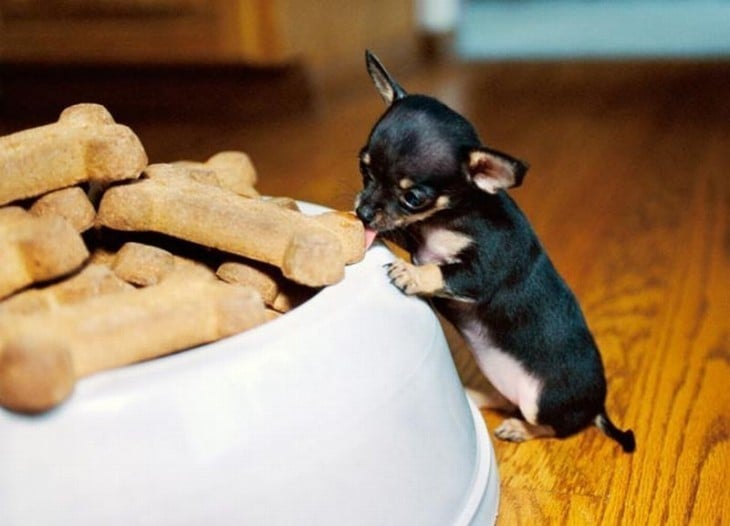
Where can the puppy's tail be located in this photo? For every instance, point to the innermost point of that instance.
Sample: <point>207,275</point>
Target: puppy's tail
<point>625,438</point>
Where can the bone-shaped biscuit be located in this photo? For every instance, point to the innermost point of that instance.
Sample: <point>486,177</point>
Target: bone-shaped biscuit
<point>70,203</point>
<point>84,145</point>
<point>92,280</point>
<point>279,293</point>
<point>233,170</point>
<point>349,230</point>
<point>143,265</point>
<point>34,249</point>
<point>306,251</point>
<point>286,202</point>
<point>38,369</point>
<point>250,276</point>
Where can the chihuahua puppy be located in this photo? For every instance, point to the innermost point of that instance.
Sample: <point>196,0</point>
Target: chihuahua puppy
<point>432,186</point>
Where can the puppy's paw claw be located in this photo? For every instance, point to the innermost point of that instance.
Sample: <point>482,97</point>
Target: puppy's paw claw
<point>512,430</point>
<point>403,276</point>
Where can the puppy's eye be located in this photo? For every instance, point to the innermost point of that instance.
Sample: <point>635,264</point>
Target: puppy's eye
<point>415,198</point>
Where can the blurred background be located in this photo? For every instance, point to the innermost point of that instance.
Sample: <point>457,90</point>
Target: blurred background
<point>153,57</point>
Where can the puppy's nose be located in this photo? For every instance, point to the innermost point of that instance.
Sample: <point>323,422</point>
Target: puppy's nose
<point>366,213</point>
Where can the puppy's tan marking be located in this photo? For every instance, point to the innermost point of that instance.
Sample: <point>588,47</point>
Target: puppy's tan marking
<point>441,245</point>
<point>365,158</point>
<point>405,183</point>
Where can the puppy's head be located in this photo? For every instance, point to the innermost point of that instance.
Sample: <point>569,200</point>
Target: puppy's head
<point>422,157</point>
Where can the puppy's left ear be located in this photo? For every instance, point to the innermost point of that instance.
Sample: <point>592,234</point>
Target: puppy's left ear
<point>386,85</point>
<point>492,171</point>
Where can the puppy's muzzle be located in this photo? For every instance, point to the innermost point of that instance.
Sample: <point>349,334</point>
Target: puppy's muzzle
<point>366,213</point>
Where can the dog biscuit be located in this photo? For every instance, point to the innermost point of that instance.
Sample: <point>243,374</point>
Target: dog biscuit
<point>143,265</point>
<point>233,170</point>
<point>248,275</point>
<point>92,280</point>
<point>279,293</point>
<point>136,256</point>
<point>84,145</point>
<point>191,268</point>
<point>70,203</point>
<point>36,249</point>
<point>211,216</point>
<point>292,295</point>
<point>285,202</point>
<point>349,230</point>
<point>38,369</point>
<point>272,315</point>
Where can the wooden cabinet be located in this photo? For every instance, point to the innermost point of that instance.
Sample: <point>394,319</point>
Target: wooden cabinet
<point>323,33</point>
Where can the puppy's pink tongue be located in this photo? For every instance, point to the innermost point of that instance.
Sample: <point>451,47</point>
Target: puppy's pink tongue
<point>370,236</point>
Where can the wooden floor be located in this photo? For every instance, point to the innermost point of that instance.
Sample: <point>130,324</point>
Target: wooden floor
<point>629,193</point>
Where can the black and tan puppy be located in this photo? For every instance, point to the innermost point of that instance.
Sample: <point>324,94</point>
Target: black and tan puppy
<point>430,183</point>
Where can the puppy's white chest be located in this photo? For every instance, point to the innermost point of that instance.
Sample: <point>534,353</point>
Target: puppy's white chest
<point>440,246</point>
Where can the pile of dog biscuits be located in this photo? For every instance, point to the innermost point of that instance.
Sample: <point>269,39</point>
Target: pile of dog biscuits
<point>107,261</point>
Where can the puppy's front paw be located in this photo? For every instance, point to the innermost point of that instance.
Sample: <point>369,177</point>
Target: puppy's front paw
<point>413,279</point>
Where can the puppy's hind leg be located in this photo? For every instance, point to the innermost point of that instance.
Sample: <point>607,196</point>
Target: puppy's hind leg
<point>526,428</point>
<point>517,430</point>
<point>490,399</point>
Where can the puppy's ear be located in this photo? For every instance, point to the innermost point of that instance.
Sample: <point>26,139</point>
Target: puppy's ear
<point>388,88</point>
<point>491,170</point>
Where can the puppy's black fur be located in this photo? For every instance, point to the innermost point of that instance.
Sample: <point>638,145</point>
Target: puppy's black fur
<point>430,183</point>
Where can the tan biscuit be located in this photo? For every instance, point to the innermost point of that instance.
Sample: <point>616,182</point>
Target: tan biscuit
<point>279,293</point>
<point>181,265</point>
<point>11,214</point>
<point>314,258</point>
<point>186,268</point>
<point>102,256</point>
<point>272,315</point>
<point>243,274</point>
<point>236,166</point>
<point>181,169</point>
<point>211,216</point>
<point>292,295</point>
<point>285,202</point>
<point>350,231</point>
<point>38,368</point>
<point>233,170</point>
<point>84,145</point>
<point>92,280</point>
<point>35,249</point>
<point>70,203</point>
<point>143,265</point>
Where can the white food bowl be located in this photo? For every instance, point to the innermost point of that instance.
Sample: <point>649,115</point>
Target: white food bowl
<point>346,411</point>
